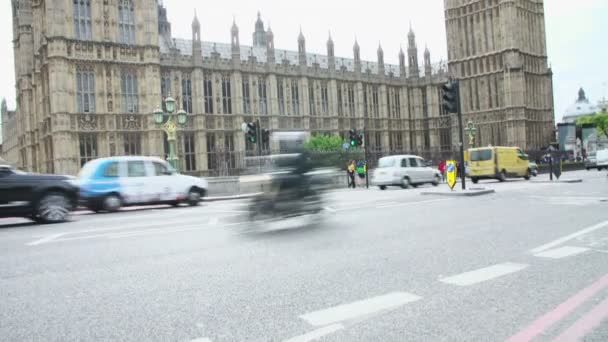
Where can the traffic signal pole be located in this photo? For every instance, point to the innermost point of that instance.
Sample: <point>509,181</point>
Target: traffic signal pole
<point>463,169</point>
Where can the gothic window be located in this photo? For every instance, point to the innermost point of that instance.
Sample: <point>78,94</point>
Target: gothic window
<point>397,104</point>
<point>186,93</point>
<point>281,96</point>
<point>211,155</point>
<point>295,97</point>
<point>246,95</point>
<point>226,95</point>
<point>132,144</point>
<point>165,88</point>
<point>490,105</point>
<point>85,90</point>
<point>82,19</point>
<point>425,104</point>
<point>208,94</point>
<point>189,156</point>
<point>263,95</point>
<point>375,102</point>
<point>477,94</point>
<point>230,159</point>
<point>311,98</point>
<point>88,148</point>
<point>365,102</point>
<point>340,101</point>
<point>126,22</point>
<point>324,98</point>
<point>351,100</point>
<point>129,89</point>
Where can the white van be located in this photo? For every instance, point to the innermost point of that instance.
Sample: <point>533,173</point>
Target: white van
<point>108,184</point>
<point>601,159</point>
<point>404,171</point>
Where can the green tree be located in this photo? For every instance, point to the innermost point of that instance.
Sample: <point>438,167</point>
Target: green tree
<point>600,121</point>
<point>324,143</point>
<point>328,151</point>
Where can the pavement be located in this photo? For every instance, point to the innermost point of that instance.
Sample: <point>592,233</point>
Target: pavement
<point>526,263</point>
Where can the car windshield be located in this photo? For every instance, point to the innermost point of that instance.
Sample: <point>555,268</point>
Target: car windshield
<point>386,162</point>
<point>481,155</point>
<point>88,170</point>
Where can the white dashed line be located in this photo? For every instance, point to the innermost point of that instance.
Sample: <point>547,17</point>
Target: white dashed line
<point>45,240</point>
<point>314,335</point>
<point>364,307</point>
<point>569,237</point>
<point>562,252</point>
<point>204,339</point>
<point>483,274</point>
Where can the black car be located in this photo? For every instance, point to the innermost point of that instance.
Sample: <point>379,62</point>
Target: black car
<point>42,198</point>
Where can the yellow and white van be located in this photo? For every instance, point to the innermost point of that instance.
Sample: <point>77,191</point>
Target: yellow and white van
<point>498,163</point>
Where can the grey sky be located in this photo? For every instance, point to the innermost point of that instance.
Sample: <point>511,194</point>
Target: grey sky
<point>576,33</point>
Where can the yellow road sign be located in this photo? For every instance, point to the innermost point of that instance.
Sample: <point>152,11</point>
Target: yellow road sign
<point>452,173</point>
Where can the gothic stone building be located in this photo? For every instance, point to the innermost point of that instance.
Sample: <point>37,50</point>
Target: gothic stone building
<point>89,73</point>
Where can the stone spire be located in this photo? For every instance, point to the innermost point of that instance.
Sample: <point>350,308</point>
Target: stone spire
<point>259,36</point>
<point>302,48</point>
<point>331,56</point>
<point>197,47</point>
<point>357,56</point>
<point>235,41</point>
<point>427,62</point>
<point>412,53</point>
<point>380,59</point>
<point>402,68</point>
<point>270,46</point>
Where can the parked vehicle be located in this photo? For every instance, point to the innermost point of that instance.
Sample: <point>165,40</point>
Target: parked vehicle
<point>404,171</point>
<point>602,159</point>
<point>498,163</point>
<point>591,161</point>
<point>42,198</point>
<point>111,183</point>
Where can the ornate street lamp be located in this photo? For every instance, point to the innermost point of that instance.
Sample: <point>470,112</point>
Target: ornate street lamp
<point>169,126</point>
<point>471,131</point>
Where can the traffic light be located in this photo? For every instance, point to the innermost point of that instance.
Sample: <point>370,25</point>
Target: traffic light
<point>359,140</point>
<point>265,136</point>
<point>251,132</point>
<point>451,93</point>
<point>352,137</point>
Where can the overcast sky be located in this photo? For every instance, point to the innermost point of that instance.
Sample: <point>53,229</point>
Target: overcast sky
<point>577,33</point>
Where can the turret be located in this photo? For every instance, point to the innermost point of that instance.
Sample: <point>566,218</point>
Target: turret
<point>259,36</point>
<point>331,57</point>
<point>428,70</point>
<point>302,49</point>
<point>357,56</point>
<point>402,69</point>
<point>412,53</point>
<point>380,60</point>
<point>235,42</point>
<point>197,49</point>
<point>270,47</point>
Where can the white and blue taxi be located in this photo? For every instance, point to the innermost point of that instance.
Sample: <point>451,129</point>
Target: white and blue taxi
<point>108,184</point>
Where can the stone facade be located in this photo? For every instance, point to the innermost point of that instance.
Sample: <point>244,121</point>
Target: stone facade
<point>497,48</point>
<point>88,80</point>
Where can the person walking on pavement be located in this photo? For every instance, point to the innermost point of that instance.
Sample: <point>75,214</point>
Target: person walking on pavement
<point>351,174</point>
<point>442,169</point>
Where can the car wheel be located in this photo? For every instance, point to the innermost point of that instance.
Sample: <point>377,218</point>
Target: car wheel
<point>405,183</point>
<point>53,207</point>
<point>382,187</point>
<point>475,180</point>
<point>194,197</point>
<point>437,181</point>
<point>527,176</point>
<point>502,176</point>
<point>112,203</point>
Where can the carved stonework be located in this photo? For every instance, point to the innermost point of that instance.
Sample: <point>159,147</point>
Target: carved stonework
<point>87,122</point>
<point>131,122</point>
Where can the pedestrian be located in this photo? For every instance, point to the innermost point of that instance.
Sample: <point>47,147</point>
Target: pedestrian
<point>442,169</point>
<point>361,171</point>
<point>351,174</point>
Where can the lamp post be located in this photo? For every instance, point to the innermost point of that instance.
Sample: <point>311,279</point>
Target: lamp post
<point>471,132</point>
<point>166,121</point>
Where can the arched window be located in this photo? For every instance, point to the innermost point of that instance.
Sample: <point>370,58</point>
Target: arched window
<point>126,22</point>
<point>82,19</point>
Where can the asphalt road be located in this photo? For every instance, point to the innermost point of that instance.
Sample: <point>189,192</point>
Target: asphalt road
<point>527,263</point>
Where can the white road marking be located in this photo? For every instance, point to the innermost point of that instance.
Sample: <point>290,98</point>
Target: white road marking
<point>330,209</point>
<point>316,334</point>
<point>364,307</point>
<point>568,238</point>
<point>204,339</point>
<point>214,221</point>
<point>562,252</point>
<point>44,240</point>
<point>483,274</point>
